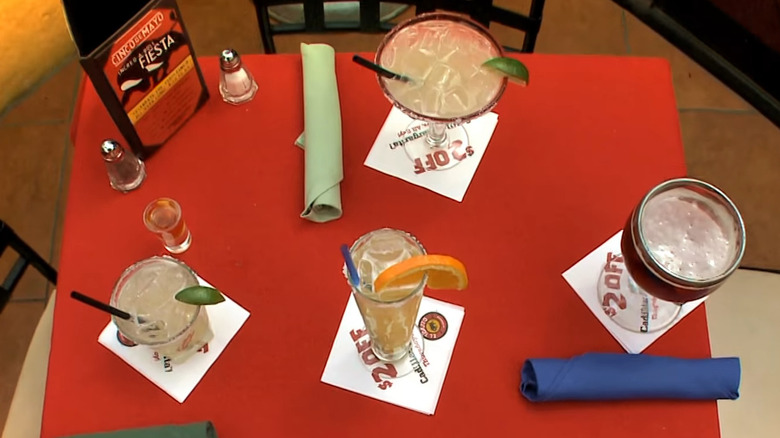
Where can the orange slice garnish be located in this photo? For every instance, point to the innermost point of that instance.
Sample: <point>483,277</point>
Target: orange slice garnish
<point>444,272</point>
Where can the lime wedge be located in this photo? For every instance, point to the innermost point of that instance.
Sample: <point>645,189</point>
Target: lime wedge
<point>199,296</point>
<point>513,69</point>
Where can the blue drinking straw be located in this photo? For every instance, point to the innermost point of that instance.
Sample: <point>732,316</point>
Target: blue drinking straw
<point>351,270</point>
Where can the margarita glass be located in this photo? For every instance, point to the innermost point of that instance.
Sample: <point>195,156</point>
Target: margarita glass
<point>442,55</point>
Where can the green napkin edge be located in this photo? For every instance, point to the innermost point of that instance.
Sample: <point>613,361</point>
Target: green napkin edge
<point>203,429</point>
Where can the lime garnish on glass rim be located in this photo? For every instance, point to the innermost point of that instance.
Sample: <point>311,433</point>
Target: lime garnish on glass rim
<point>199,295</point>
<point>513,69</point>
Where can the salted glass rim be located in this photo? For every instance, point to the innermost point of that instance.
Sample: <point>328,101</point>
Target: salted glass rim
<point>448,16</point>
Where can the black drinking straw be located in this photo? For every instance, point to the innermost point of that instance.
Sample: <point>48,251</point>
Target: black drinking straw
<point>98,305</point>
<point>380,70</point>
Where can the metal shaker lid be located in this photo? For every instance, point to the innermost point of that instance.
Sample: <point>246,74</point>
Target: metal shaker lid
<point>111,150</point>
<point>229,60</point>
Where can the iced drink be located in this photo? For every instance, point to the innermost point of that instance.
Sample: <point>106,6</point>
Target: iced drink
<point>687,234</point>
<point>444,58</point>
<point>146,291</point>
<point>390,315</point>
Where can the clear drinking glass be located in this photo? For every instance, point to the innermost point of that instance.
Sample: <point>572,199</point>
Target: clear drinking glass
<point>164,218</point>
<point>682,242</point>
<point>389,316</point>
<point>146,291</point>
<point>442,53</point>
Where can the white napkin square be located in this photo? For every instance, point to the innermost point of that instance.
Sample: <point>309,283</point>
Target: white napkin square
<point>583,277</point>
<point>418,390</point>
<point>387,155</point>
<point>178,380</point>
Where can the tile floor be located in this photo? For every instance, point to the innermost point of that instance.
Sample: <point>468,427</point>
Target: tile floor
<point>719,129</point>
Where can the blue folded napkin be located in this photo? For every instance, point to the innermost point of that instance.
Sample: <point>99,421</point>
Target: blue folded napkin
<point>608,376</point>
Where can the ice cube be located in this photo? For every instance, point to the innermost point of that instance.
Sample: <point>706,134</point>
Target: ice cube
<point>447,54</point>
<point>457,101</point>
<point>366,272</point>
<point>412,63</point>
<point>432,101</point>
<point>150,329</point>
<point>388,57</point>
<point>383,249</point>
<point>428,43</point>
<point>442,76</point>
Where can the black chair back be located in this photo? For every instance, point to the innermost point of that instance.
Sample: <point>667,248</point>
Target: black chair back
<point>485,13</point>
<point>27,256</point>
<point>370,21</point>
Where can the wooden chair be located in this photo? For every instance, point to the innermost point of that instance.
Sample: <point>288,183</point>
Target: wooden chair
<point>26,257</point>
<point>482,11</point>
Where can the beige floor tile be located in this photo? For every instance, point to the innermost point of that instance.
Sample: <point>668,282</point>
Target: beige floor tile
<point>52,101</point>
<point>31,286</point>
<point>581,27</point>
<point>505,35</point>
<point>693,85</point>
<point>739,153</point>
<point>215,26</point>
<point>742,318</point>
<point>17,324</point>
<point>29,186</point>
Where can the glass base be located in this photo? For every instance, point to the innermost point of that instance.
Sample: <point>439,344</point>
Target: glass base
<point>628,305</point>
<point>427,157</point>
<point>237,99</point>
<point>180,248</point>
<point>411,362</point>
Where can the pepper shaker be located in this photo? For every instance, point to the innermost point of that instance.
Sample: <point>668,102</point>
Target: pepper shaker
<point>236,84</point>
<point>125,171</point>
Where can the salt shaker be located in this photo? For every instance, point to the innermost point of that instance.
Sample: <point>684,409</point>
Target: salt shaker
<point>236,84</point>
<point>125,170</point>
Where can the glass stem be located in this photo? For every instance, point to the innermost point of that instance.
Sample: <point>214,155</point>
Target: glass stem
<point>437,134</point>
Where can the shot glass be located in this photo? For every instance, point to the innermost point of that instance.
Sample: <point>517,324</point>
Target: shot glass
<point>146,290</point>
<point>389,316</point>
<point>163,217</point>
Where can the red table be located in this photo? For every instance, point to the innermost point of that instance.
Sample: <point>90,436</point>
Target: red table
<point>571,155</point>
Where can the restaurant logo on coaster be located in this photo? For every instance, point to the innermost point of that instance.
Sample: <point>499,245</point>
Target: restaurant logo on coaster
<point>433,326</point>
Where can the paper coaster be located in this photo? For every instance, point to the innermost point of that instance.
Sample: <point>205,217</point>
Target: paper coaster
<point>416,381</point>
<point>446,172</point>
<point>584,276</point>
<point>178,380</point>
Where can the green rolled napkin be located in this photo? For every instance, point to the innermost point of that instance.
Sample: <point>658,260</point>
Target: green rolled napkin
<point>204,429</point>
<point>321,139</point>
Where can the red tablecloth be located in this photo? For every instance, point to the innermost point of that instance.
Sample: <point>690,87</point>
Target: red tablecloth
<point>571,155</point>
